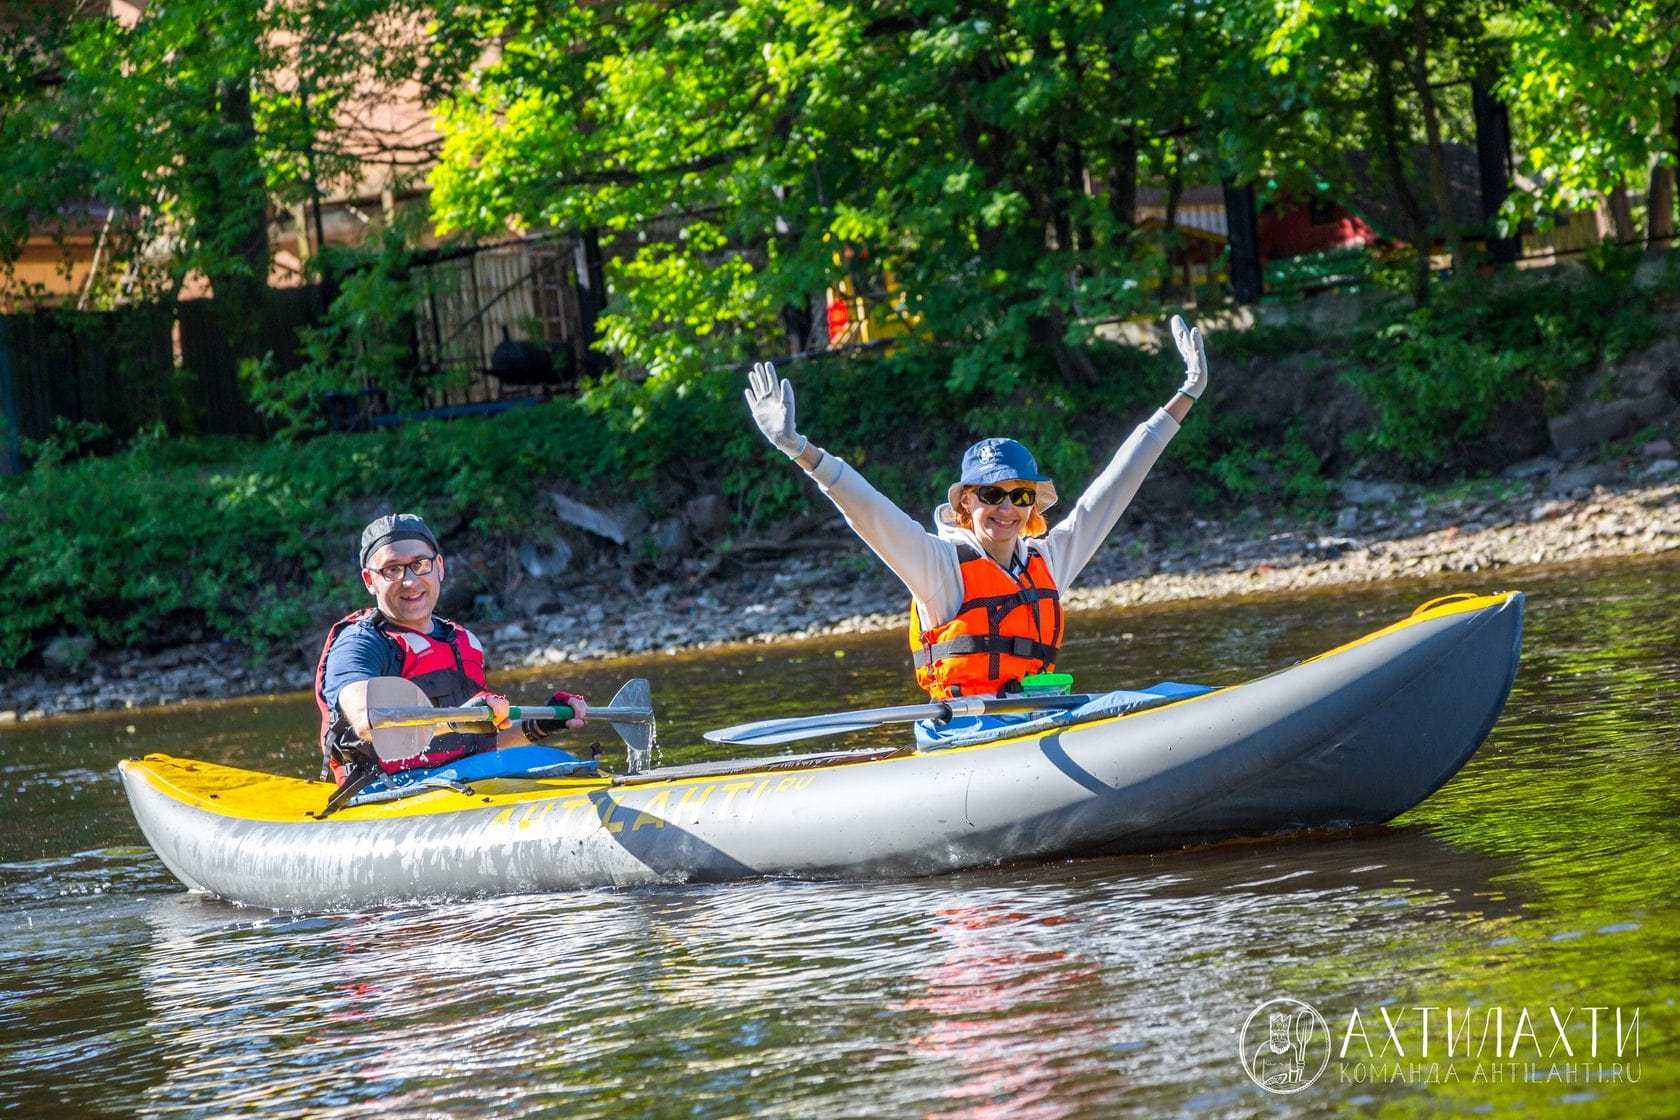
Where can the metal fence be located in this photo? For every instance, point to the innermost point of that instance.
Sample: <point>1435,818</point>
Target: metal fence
<point>535,294</point>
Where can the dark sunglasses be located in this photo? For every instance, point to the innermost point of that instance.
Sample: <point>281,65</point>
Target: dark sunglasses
<point>1023,496</point>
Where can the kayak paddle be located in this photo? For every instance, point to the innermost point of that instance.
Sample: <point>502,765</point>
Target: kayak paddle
<point>423,716</point>
<point>767,732</point>
<point>403,719</point>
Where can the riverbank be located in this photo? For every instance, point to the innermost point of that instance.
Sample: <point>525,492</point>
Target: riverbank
<point>1538,514</point>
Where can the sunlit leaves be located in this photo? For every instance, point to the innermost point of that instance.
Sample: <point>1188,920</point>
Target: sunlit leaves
<point>909,147</point>
<point>1594,84</point>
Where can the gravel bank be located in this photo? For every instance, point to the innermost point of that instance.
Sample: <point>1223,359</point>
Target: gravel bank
<point>1537,515</point>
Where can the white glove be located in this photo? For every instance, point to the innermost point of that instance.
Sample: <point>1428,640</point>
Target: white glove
<point>1195,358</point>
<point>772,410</point>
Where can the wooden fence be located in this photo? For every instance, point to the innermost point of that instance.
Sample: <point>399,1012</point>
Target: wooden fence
<point>119,369</point>
<point>112,368</point>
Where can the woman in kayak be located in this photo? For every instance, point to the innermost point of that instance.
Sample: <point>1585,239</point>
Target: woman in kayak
<point>985,587</point>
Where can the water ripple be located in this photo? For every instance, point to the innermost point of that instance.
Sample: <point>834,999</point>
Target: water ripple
<point>1077,988</point>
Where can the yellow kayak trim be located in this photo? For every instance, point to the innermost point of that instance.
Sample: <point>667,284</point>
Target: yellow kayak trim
<point>228,791</point>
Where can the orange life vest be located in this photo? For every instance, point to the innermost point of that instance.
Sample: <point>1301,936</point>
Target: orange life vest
<point>1008,627</point>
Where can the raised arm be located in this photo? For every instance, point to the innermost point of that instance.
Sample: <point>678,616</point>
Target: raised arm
<point>1071,544</point>
<point>926,564</point>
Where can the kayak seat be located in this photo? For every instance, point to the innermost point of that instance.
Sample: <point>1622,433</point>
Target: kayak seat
<point>934,735</point>
<point>510,762</point>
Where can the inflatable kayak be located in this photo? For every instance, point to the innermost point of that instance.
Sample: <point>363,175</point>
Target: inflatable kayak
<point>1353,736</point>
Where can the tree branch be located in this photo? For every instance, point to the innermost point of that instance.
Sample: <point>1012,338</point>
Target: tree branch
<point>611,177</point>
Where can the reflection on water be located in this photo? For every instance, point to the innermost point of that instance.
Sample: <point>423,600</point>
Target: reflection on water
<point>1542,875</point>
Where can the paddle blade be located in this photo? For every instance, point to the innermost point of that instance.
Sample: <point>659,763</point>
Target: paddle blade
<point>767,733</point>
<point>635,693</point>
<point>392,744</point>
<point>638,737</point>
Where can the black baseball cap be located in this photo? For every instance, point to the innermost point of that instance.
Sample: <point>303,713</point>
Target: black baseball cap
<point>391,528</point>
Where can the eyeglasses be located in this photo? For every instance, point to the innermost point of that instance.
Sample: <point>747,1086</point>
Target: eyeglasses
<point>391,573</point>
<point>1023,496</point>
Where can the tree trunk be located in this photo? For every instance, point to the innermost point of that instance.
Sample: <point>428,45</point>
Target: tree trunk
<point>1446,213</point>
<point>1243,228</point>
<point>1620,209</point>
<point>1659,206</point>
<point>1169,235</point>
<point>1053,158</point>
<point>1047,332</point>
<point>233,222</point>
<point>797,323</point>
<point>1393,161</point>
<point>1493,160</point>
<point>1077,192</point>
<point>1077,180</point>
<point>1122,184</point>
<point>590,277</point>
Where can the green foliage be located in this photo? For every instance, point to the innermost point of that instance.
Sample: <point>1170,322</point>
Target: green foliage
<point>1290,278</point>
<point>933,159</point>
<point>1288,471</point>
<point>249,540</point>
<point>957,165</point>
<point>70,439</point>
<point>1354,270</point>
<point>363,342</point>
<point>1261,342</point>
<point>1226,460</point>
<point>1430,391</point>
<point>1592,83</point>
<point>1435,376</point>
<point>193,122</point>
<point>42,170</point>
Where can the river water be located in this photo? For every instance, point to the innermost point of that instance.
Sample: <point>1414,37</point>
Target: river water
<point>1539,882</point>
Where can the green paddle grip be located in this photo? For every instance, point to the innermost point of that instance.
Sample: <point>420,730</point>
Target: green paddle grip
<point>557,711</point>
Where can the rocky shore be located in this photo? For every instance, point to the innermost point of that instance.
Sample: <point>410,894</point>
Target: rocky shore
<point>1539,513</point>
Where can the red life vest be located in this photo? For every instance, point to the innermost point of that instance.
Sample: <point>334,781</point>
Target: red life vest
<point>1008,627</point>
<point>449,671</point>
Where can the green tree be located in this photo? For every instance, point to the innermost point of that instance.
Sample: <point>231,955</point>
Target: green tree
<point>1367,85</point>
<point>1594,85</point>
<point>196,124</point>
<point>747,155</point>
<point>164,112</point>
<point>44,174</point>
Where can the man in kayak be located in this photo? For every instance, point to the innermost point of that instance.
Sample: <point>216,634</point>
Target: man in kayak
<point>402,568</point>
<point>985,609</point>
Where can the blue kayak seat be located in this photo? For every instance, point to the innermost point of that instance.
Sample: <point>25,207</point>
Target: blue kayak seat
<point>510,762</point>
<point>934,735</point>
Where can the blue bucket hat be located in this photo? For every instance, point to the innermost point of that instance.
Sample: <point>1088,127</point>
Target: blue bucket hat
<point>1002,460</point>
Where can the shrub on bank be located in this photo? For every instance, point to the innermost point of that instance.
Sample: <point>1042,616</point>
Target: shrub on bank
<point>1436,377</point>
<point>252,541</point>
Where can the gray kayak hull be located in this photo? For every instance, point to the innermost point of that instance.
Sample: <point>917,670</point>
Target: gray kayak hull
<point>1354,736</point>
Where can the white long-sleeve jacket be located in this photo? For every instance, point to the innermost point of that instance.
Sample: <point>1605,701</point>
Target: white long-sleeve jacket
<point>928,563</point>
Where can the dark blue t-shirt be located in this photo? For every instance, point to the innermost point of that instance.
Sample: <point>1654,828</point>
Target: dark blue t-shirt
<point>360,652</point>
